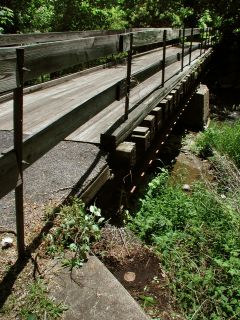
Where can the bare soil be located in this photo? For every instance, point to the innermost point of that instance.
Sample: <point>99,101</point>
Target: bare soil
<point>139,270</point>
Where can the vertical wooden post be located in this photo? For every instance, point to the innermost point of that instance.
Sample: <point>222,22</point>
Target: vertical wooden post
<point>190,48</point>
<point>128,80</point>
<point>201,40</point>
<point>208,37</point>
<point>205,41</point>
<point>164,56</point>
<point>18,136</point>
<point>183,47</point>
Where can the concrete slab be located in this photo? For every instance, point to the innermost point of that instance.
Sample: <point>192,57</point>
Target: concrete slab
<point>93,293</point>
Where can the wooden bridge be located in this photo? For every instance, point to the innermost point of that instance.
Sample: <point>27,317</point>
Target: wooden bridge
<point>145,72</point>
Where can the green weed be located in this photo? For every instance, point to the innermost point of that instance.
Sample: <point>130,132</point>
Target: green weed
<point>198,239</point>
<point>37,304</point>
<point>75,229</point>
<point>222,137</point>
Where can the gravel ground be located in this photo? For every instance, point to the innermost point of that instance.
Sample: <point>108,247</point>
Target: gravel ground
<point>68,167</point>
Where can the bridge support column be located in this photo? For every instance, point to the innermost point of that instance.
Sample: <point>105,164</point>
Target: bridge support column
<point>197,113</point>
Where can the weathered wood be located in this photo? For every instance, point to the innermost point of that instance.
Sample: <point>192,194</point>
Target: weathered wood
<point>149,122</point>
<point>169,97</point>
<point>91,190</point>
<point>125,155</point>
<point>47,137</point>
<point>174,93</point>
<point>8,67</point>
<point>148,71</point>
<point>8,172</point>
<point>164,105</point>
<point>53,56</point>
<point>189,32</point>
<point>38,144</point>
<point>158,113</point>
<point>30,38</point>
<point>18,137</point>
<point>112,137</point>
<point>142,140</point>
<point>149,36</point>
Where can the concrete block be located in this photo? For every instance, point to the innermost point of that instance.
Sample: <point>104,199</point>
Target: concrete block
<point>92,293</point>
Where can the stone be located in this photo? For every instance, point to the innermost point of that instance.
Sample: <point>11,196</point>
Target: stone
<point>7,242</point>
<point>186,187</point>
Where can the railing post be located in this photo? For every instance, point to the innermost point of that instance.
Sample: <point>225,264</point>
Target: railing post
<point>201,40</point>
<point>208,37</point>
<point>205,41</point>
<point>190,48</point>
<point>183,48</point>
<point>18,136</point>
<point>128,79</point>
<point>164,56</point>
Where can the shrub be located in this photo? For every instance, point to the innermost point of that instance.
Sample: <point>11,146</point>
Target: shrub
<point>197,236</point>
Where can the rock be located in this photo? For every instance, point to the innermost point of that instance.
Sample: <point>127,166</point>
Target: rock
<point>186,187</point>
<point>7,242</point>
<point>129,276</point>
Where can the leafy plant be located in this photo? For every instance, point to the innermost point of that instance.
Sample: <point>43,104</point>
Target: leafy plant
<point>197,237</point>
<point>75,229</point>
<point>38,305</point>
<point>147,300</point>
<point>223,137</point>
<point>6,18</point>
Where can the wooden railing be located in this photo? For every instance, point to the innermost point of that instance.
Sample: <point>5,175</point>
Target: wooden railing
<point>57,51</point>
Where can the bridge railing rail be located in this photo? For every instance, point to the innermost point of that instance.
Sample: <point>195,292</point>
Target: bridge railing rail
<point>22,63</point>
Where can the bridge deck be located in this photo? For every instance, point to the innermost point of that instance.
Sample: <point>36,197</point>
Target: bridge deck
<point>92,130</point>
<point>44,106</point>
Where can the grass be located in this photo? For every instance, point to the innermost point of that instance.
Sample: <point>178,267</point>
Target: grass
<point>38,305</point>
<point>197,236</point>
<point>222,137</point>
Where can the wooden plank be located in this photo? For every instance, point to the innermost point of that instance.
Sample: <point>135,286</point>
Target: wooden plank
<point>149,70</point>
<point>125,155</point>
<point>113,136</point>
<point>149,36</point>
<point>53,56</point>
<point>30,38</point>
<point>172,34</point>
<point>91,190</point>
<point>38,144</point>
<point>8,66</point>
<point>8,172</point>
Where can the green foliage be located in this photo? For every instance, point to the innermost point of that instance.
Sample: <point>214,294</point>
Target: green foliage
<point>198,238</point>
<point>75,230</point>
<point>37,304</point>
<point>177,17</point>
<point>54,15</point>
<point>38,16</point>
<point>6,18</point>
<point>147,300</point>
<point>223,137</point>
